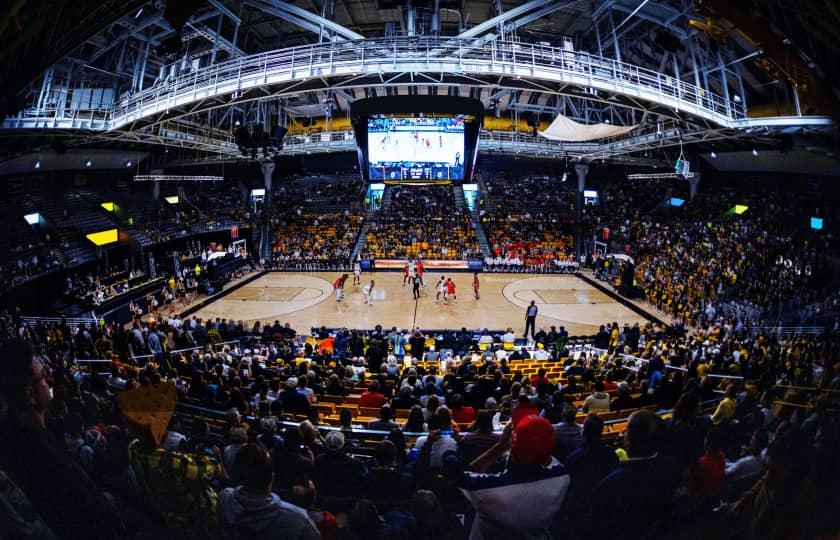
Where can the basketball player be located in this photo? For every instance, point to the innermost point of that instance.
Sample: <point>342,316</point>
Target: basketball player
<point>367,291</point>
<point>450,291</point>
<point>420,271</point>
<point>441,290</point>
<point>357,272</point>
<point>406,279</point>
<point>338,287</point>
<point>475,285</point>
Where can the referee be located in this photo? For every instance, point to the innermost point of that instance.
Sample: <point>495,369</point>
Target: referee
<point>531,319</point>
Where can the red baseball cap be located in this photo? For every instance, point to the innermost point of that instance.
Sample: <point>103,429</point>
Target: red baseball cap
<point>533,440</point>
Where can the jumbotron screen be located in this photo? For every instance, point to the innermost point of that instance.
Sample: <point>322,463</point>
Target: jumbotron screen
<point>416,148</point>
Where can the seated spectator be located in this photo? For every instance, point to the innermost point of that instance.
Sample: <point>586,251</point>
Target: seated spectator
<point>568,433</point>
<point>588,465</point>
<point>415,423</point>
<point>461,414</point>
<point>750,464</point>
<point>726,408</point>
<point>251,509</point>
<point>475,443</point>
<point>623,400</point>
<point>385,484</point>
<point>443,442</point>
<point>385,422</point>
<point>371,397</point>
<point>337,475</point>
<point>598,400</point>
<point>636,497</point>
<point>709,476</point>
<point>523,409</point>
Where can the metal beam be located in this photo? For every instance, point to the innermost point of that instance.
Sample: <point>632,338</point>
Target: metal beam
<point>288,9</point>
<point>492,23</point>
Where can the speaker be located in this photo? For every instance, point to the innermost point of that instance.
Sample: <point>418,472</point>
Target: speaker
<point>278,134</point>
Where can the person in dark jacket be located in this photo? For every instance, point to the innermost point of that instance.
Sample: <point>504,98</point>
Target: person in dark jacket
<point>337,474</point>
<point>588,465</point>
<point>251,510</point>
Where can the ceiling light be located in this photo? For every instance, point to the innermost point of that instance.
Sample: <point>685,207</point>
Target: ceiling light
<point>38,164</point>
<point>88,163</point>
<point>565,176</point>
<point>755,152</point>
<point>129,163</point>
<point>713,155</point>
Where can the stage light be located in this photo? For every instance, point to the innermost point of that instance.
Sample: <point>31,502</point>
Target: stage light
<point>755,152</point>
<point>88,163</point>
<point>37,164</point>
<point>713,155</point>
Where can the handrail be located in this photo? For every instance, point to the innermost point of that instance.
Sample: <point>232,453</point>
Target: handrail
<point>667,366</point>
<point>403,54</point>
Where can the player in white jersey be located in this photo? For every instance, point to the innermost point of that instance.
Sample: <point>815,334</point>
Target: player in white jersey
<point>441,290</point>
<point>367,292</point>
<point>357,272</point>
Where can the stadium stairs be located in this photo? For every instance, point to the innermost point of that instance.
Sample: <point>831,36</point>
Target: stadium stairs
<point>475,218</point>
<point>361,240</point>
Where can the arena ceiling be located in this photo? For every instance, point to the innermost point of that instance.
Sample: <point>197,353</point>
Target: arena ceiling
<point>81,70</point>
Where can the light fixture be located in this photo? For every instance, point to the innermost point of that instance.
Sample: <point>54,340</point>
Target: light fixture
<point>564,177</point>
<point>129,163</point>
<point>755,152</point>
<point>88,163</point>
<point>37,164</point>
<point>737,98</point>
<point>713,155</point>
<point>237,123</point>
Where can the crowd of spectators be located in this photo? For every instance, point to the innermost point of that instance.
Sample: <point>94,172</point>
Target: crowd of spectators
<point>315,224</point>
<point>422,221</point>
<point>528,222</point>
<point>473,444</point>
<point>690,262</point>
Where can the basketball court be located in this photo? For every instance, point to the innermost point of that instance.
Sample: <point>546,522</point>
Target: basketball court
<point>307,299</point>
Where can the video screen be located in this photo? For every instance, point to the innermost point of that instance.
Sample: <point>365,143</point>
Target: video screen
<point>416,148</point>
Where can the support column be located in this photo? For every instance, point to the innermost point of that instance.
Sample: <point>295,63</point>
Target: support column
<point>245,192</point>
<point>267,170</point>
<point>693,184</point>
<point>582,169</point>
<point>156,190</point>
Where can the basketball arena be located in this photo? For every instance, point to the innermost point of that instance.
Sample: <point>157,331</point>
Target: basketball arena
<point>419,269</point>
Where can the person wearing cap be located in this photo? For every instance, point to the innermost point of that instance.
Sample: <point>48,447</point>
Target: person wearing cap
<point>252,510</point>
<point>337,474</point>
<point>522,499</point>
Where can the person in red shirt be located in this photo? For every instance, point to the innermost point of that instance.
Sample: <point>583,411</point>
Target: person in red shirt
<point>539,378</point>
<point>709,476</point>
<point>475,285</point>
<point>405,274</point>
<point>372,398</point>
<point>461,414</point>
<point>523,409</point>
<point>450,291</point>
<point>420,271</point>
<point>338,287</point>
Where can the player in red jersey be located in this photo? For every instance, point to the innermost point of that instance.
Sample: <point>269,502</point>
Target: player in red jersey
<point>450,291</point>
<point>405,273</point>
<point>475,285</point>
<point>338,287</point>
<point>420,271</point>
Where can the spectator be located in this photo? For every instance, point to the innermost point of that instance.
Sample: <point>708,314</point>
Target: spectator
<point>588,465</point>
<point>509,504</point>
<point>385,423</point>
<point>479,441</point>
<point>598,400</point>
<point>568,433</point>
<point>372,398</point>
<point>337,474</point>
<point>251,510</point>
